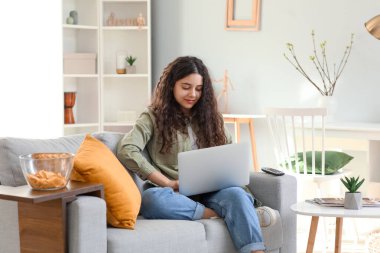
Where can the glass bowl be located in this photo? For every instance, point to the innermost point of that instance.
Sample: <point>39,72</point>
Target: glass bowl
<point>47,171</point>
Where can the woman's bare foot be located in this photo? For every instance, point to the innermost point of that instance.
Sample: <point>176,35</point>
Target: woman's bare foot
<point>209,213</point>
<point>258,251</point>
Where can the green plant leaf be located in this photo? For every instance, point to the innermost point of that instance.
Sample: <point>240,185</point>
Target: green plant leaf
<point>130,59</point>
<point>352,184</point>
<point>352,181</point>
<point>345,184</point>
<point>359,184</point>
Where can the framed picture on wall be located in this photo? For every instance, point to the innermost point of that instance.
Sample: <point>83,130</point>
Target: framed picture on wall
<point>243,15</point>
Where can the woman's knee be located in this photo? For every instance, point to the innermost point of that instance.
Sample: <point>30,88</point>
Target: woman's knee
<point>237,195</point>
<point>154,199</point>
<point>234,193</point>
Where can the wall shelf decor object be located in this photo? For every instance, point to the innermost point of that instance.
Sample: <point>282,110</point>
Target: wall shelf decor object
<point>69,102</point>
<point>222,97</point>
<point>235,22</point>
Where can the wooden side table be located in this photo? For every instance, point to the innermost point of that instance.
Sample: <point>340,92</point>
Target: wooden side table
<point>42,214</point>
<point>238,119</point>
<point>316,211</point>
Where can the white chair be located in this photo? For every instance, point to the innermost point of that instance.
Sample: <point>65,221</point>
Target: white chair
<point>299,141</point>
<point>298,134</point>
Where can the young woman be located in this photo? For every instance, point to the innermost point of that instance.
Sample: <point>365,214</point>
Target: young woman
<point>184,116</point>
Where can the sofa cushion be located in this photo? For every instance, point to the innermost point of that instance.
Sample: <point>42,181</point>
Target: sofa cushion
<point>334,161</point>
<point>12,148</point>
<point>95,162</point>
<point>217,236</point>
<point>110,139</point>
<point>155,236</point>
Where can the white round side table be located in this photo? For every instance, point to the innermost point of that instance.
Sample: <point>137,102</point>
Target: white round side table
<point>316,211</point>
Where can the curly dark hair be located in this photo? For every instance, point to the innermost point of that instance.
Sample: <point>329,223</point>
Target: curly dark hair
<point>170,118</point>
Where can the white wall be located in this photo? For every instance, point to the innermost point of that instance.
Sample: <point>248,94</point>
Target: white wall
<point>31,95</point>
<point>30,49</point>
<point>258,70</point>
<point>260,73</point>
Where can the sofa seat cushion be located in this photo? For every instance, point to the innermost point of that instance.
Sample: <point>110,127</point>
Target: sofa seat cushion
<point>155,236</point>
<point>218,239</point>
<point>217,236</point>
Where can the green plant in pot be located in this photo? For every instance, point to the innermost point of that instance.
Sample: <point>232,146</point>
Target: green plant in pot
<point>352,198</point>
<point>131,69</point>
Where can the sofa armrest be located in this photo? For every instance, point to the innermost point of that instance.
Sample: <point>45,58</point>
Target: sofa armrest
<point>87,225</point>
<point>9,228</point>
<point>279,193</point>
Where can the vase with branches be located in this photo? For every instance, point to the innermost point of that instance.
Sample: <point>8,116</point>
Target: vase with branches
<point>329,76</point>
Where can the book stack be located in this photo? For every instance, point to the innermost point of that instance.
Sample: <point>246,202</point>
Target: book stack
<point>337,202</point>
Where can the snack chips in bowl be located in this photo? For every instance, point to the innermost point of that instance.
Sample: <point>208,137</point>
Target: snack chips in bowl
<point>47,171</point>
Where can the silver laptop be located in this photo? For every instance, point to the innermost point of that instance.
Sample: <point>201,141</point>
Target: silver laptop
<point>211,169</point>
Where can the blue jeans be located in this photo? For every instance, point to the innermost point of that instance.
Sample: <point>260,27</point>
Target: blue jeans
<point>232,204</point>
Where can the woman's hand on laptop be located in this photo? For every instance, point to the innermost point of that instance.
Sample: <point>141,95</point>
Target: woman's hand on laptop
<point>174,184</point>
<point>161,180</point>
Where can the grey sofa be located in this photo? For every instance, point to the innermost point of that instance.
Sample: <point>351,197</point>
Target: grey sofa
<point>87,230</point>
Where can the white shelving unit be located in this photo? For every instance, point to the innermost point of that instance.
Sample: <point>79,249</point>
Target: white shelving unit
<point>103,98</point>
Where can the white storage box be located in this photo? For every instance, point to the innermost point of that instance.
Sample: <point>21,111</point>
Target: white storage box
<point>79,63</point>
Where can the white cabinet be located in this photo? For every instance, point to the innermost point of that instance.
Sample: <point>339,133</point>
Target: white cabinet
<point>107,101</point>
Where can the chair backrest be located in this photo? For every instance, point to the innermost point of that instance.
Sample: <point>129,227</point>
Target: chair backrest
<point>298,133</point>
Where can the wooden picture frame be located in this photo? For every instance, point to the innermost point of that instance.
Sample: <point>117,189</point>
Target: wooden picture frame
<point>251,24</point>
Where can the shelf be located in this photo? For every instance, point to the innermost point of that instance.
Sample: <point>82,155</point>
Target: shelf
<point>81,125</point>
<point>103,94</point>
<point>123,28</point>
<point>125,75</point>
<point>88,27</point>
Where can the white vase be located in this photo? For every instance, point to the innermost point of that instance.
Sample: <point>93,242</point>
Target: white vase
<point>330,103</point>
<point>353,200</point>
<point>120,62</point>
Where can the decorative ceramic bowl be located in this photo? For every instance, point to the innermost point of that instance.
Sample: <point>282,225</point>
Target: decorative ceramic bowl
<point>47,171</point>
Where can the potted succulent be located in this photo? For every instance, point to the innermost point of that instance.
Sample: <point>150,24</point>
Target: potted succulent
<point>352,198</point>
<point>131,69</point>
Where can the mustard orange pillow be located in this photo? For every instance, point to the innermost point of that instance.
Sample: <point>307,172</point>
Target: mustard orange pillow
<point>95,162</point>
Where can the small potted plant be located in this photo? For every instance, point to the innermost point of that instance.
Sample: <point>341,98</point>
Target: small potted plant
<point>131,69</point>
<point>352,198</point>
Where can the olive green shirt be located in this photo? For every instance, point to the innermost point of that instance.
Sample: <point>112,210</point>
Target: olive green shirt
<point>144,136</point>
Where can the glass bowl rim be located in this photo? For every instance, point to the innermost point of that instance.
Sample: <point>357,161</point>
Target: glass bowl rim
<point>29,156</point>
